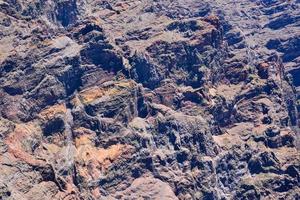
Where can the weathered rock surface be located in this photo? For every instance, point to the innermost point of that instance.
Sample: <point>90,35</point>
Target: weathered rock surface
<point>125,99</point>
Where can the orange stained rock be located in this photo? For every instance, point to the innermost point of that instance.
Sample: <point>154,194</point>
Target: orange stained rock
<point>70,188</point>
<point>83,131</point>
<point>52,148</point>
<point>75,101</point>
<point>260,129</point>
<point>227,141</point>
<point>50,112</point>
<point>87,153</point>
<point>126,84</point>
<point>96,193</point>
<point>90,172</point>
<point>264,66</point>
<point>98,160</point>
<point>91,94</point>
<point>83,140</point>
<point>21,155</point>
<point>96,21</point>
<point>121,6</point>
<point>14,143</point>
<point>287,155</point>
<point>20,133</point>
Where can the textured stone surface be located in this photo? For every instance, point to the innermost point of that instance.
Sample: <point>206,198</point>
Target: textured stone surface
<point>140,99</point>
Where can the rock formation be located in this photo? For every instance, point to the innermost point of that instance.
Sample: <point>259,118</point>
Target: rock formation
<point>140,99</point>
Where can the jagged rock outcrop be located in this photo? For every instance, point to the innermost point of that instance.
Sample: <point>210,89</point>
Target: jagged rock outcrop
<point>149,99</point>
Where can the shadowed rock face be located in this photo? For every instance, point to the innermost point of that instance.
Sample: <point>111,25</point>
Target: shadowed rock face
<point>184,99</point>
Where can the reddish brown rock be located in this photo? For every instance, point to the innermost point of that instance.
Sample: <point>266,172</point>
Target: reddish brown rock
<point>181,99</point>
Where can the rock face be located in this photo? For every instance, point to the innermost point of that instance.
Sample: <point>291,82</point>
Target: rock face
<point>123,99</point>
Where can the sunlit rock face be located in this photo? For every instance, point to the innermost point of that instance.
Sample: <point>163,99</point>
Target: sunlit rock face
<point>181,99</point>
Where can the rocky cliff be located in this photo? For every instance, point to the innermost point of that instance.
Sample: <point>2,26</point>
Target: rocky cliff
<point>140,99</point>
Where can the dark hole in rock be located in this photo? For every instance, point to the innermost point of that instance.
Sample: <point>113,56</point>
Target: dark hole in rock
<point>255,167</point>
<point>272,131</point>
<point>181,157</point>
<point>184,26</point>
<point>247,192</point>
<point>292,171</point>
<point>170,160</point>
<point>193,97</point>
<point>142,108</point>
<point>223,180</point>
<point>233,38</point>
<point>286,140</point>
<point>195,162</point>
<point>283,185</point>
<point>265,109</point>
<point>263,74</point>
<point>90,27</point>
<point>208,196</point>
<point>47,173</point>
<point>267,120</point>
<point>172,139</point>
<point>8,66</point>
<point>53,126</point>
<point>148,163</point>
<point>281,22</point>
<point>136,173</point>
<point>295,77</point>
<point>162,162</point>
<point>273,44</point>
<point>144,143</point>
<point>12,90</point>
